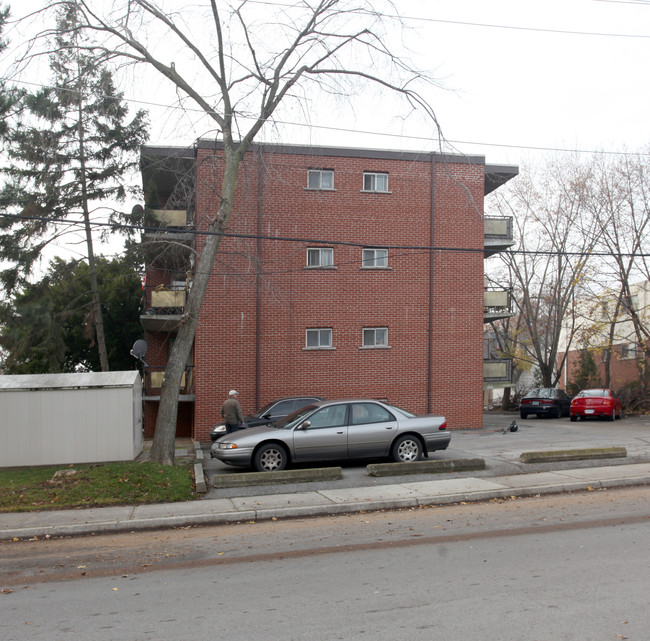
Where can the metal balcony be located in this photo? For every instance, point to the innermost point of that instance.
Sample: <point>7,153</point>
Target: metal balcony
<point>498,234</point>
<point>497,372</point>
<point>496,304</point>
<point>153,379</point>
<point>165,312</point>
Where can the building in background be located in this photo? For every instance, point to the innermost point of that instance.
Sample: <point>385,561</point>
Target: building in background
<point>344,272</point>
<point>605,329</point>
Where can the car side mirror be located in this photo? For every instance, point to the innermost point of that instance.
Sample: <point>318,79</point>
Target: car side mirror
<point>305,425</point>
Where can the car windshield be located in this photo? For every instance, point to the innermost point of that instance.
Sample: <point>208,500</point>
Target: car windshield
<point>593,392</point>
<point>264,410</point>
<point>288,422</point>
<point>542,392</point>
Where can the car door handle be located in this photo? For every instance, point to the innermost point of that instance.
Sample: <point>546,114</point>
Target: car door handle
<point>389,427</point>
<point>340,432</point>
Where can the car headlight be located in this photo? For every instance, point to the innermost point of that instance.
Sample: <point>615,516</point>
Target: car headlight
<point>227,446</point>
<point>219,429</point>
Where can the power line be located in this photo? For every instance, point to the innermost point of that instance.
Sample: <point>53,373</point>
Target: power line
<point>319,241</point>
<point>466,23</point>
<point>384,134</point>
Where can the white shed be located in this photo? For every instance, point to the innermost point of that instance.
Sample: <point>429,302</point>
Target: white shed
<point>52,419</point>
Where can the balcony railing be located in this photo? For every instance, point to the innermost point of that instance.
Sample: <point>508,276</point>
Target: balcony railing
<point>153,380</point>
<point>496,304</point>
<point>165,310</point>
<point>497,372</point>
<point>498,234</point>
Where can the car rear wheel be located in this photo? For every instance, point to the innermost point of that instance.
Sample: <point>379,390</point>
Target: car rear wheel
<point>574,419</point>
<point>270,457</point>
<point>613,416</point>
<point>523,415</point>
<point>407,449</point>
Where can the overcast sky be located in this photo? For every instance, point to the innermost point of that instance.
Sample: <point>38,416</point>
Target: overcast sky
<point>519,75</point>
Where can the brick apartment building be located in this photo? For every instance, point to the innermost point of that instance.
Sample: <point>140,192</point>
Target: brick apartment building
<point>326,283</point>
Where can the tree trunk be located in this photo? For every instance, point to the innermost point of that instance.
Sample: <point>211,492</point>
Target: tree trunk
<point>98,319</point>
<point>162,449</point>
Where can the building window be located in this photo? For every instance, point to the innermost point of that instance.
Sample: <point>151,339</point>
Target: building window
<point>375,337</point>
<point>318,339</point>
<point>375,258</point>
<point>320,179</point>
<point>628,351</point>
<point>375,182</point>
<point>320,257</point>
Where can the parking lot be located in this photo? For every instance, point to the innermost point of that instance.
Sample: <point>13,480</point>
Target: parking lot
<point>494,443</point>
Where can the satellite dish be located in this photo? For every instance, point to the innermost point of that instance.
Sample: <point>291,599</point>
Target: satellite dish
<point>139,350</point>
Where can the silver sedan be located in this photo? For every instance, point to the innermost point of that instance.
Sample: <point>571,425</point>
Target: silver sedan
<point>334,431</point>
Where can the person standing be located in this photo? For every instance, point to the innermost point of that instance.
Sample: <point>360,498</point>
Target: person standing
<point>231,412</point>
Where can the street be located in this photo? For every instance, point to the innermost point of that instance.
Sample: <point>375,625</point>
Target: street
<point>553,567</point>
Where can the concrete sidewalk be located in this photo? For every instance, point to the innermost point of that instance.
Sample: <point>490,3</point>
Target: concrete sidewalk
<point>317,503</point>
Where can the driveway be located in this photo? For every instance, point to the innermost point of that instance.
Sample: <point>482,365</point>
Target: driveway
<point>499,449</point>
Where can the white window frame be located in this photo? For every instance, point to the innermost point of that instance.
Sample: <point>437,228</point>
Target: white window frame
<point>323,338</point>
<point>318,175</point>
<point>320,262</point>
<point>629,351</point>
<point>372,180</point>
<point>369,338</point>
<point>374,258</point>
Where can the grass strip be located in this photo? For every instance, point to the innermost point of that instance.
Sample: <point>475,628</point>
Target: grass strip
<point>54,487</point>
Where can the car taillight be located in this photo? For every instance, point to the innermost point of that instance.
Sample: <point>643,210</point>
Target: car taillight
<point>443,426</point>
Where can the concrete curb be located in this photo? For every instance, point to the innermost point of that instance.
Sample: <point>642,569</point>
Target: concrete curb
<point>247,479</point>
<point>557,456</point>
<point>199,477</point>
<point>426,467</point>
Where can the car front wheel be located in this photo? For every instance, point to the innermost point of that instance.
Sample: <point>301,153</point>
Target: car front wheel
<point>270,457</point>
<point>407,449</point>
<point>574,419</point>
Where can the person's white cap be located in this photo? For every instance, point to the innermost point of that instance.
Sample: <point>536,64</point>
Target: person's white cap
<point>233,392</point>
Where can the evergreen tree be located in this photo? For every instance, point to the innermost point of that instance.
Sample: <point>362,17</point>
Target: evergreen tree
<point>71,150</point>
<point>47,326</point>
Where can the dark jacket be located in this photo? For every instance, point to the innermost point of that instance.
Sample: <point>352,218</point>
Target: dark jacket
<point>231,411</point>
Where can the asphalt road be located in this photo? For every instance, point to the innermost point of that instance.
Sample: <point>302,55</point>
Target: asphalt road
<point>570,567</point>
<point>500,451</point>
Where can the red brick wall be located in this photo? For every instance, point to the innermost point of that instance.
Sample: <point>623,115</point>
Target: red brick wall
<point>347,298</point>
<point>622,370</point>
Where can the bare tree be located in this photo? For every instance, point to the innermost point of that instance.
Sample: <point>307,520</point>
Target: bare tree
<point>239,64</point>
<point>620,206</point>
<point>555,236</point>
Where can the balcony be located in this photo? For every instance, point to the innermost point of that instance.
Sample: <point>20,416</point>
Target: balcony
<point>165,313</point>
<point>153,379</point>
<point>496,304</point>
<point>498,234</point>
<point>497,372</point>
<point>169,245</point>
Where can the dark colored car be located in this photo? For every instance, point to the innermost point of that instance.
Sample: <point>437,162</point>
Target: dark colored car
<point>545,401</point>
<point>335,431</point>
<point>271,412</point>
<point>596,403</point>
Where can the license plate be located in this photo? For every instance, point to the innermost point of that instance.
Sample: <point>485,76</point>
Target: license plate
<point>535,402</point>
<point>589,411</point>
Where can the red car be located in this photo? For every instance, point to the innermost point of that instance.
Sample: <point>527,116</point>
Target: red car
<point>596,402</point>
